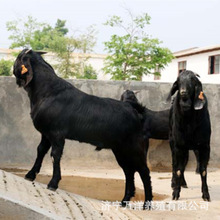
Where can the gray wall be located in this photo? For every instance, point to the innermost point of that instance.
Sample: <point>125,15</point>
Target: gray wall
<point>19,139</point>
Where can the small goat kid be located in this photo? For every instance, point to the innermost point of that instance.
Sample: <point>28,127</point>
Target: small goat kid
<point>60,111</point>
<point>190,129</point>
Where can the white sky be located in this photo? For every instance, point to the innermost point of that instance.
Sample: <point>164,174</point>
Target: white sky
<point>180,24</point>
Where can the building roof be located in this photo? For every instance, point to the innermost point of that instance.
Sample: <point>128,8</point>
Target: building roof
<point>195,50</point>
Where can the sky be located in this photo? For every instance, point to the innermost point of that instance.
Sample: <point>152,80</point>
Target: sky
<point>179,24</point>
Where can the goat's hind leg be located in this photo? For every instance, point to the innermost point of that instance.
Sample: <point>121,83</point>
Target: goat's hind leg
<point>56,154</point>
<point>196,152</point>
<point>42,150</point>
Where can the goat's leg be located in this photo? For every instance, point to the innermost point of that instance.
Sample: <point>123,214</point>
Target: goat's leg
<point>183,181</point>
<point>129,186</point>
<point>196,152</point>
<point>56,154</point>
<point>124,162</point>
<point>203,162</point>
<point>178,170</point>
<point>42,149</point>
<point>145,177</point>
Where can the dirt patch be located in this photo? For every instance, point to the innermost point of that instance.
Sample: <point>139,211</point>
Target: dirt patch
<point>13,170</point>
<point>164,178</point>
<point>97,188</point>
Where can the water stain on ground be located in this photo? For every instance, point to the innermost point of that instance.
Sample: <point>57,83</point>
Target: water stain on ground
<point>96,188</point>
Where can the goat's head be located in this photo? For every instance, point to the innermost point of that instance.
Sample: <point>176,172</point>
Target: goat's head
<point>190,94</point>
<point>23,68</point>
<point>129,96</point>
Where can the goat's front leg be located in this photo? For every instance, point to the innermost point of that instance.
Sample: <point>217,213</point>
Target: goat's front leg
<point>179,158</point>
<point>203,162</point>
<point>42,149</point>
<point>182,178</point>
<point>56,154</point>
<point>123,161</point>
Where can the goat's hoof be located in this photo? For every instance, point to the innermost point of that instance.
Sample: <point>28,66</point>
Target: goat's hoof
<point>184,186</point>
<point>176,195</point>
<point>206,197</point>
<point>30,176</point>
<point>124,203</point>
<point>147,205</point>
<point>52,186</point>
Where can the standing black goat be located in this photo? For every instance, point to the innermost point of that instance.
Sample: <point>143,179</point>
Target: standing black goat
<point>190,129</point>
<point>60,111</point>
<point>155,124</point>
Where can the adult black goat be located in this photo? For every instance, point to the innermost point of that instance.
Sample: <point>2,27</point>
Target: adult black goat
<point>189,128</point>
<point>156,123</point>
<point>60,111</point>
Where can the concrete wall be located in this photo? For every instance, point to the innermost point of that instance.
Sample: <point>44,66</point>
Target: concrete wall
<point>19,139</point>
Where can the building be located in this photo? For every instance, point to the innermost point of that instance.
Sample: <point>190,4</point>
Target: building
<point>96,60</point>
<point>204,61</point>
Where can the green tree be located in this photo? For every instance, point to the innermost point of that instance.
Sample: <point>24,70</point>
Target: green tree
<point>42,36</point>
<point>88,72</point>
<point>31,33</point>
<point>135,53</point>
<point>64,47</point>
<point>5,67</point>
<point>23,31</point>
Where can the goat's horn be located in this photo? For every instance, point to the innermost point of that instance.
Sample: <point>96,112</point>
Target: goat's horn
<point>27,51</point>
<point>136,92</point>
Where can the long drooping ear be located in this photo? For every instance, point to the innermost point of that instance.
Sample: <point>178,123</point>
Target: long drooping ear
<point>172,90</point>
<point>199,99</point>
<point>26,68</point>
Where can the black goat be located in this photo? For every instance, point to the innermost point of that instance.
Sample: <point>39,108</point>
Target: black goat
<point>156,124</point>
<point>190,129</point>
<point>60,111</point>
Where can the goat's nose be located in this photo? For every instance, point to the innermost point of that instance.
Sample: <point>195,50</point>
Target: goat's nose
<point>183,92</point>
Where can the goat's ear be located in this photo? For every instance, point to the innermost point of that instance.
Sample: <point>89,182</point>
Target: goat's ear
<point>199,100</point>
<point>172,91</point>
<point>26,71</point>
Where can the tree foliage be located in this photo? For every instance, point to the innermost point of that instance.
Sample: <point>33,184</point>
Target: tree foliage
<point>30,33</point>
<point>5,67</point>
<point>135,53</point>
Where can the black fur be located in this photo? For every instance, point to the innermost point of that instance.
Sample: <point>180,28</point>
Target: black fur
<point>156,123</point>
<point>190,129</point>
<point>60,111</point>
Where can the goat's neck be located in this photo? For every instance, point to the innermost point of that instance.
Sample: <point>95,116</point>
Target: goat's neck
<point>42,84</point>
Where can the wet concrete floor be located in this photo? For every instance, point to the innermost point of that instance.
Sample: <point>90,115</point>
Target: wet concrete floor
<point>96,188</point>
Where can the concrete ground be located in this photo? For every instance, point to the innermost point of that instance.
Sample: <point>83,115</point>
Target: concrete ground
<point>21,199</point>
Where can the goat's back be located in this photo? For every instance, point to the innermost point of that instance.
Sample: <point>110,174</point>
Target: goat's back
<point>87,118</point>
